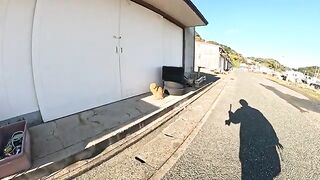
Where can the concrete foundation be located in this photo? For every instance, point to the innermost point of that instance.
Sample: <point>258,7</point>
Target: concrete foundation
<point>32,119</point>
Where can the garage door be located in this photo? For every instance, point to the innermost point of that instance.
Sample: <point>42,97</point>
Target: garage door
<point>96,52</point>
<point>142,42</point>
<point>75,63</point>
<point>17,95</point>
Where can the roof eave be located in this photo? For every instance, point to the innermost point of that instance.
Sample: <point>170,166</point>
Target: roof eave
<point>164,8</point>
<point>196,10</point>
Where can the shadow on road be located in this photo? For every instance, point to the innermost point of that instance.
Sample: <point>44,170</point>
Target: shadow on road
<point>258,143</point>
<point>294,101</point>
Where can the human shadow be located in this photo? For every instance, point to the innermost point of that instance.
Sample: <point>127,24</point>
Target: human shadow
<point>258,143</point>
<point>296,102</point>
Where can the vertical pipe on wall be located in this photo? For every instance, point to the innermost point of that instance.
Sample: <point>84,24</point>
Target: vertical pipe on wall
<point>184,49</point>
<point>189,49</point>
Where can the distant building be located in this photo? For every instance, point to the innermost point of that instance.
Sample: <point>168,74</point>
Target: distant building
<point>294,76</point>
<point>311,80</point>
<point>249,61</point>
<point>244,66</point>
<point>266,70</point>
<point>211,57</point>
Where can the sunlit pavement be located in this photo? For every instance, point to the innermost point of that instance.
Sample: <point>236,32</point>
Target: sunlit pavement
<point>272,117</point>
<point>278,116</point>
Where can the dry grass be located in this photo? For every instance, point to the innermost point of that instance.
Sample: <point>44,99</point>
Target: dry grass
<point>304,89</point>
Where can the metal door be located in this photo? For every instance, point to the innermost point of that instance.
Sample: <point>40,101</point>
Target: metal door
<point>141,59</point>
<point>75,63</point>
<point>17,93</point>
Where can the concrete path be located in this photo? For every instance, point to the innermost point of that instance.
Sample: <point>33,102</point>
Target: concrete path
<point>276,115</point>
<point>54,148</point>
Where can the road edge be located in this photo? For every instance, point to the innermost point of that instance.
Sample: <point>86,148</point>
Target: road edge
<point>160,173</point>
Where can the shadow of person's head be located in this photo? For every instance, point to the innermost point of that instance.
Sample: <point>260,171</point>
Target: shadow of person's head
<point>243,103</point>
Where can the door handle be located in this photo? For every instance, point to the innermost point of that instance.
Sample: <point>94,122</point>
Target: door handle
<point>121,50</point>
<point>117,37</point>
<point>117,49</point>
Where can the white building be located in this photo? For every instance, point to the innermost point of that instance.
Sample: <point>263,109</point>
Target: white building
<point>211,57</point>
<point>244,67</point>
<point>312,80</point>
<point>61,57</point>
<point>294,76</point>
<point>266,70</point>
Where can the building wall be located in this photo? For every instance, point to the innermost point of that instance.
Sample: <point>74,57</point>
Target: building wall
<point>294,76</point>
<point>172,44</point>
<point>75,62</point>
<point>227,65</point>
<point>71,61</point>
<point>207,55</point>
<point>17,93</point>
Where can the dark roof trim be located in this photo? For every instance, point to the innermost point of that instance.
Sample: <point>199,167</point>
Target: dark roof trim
<point>196,10</point>
<point>170,18</point>
<point>165,15</point>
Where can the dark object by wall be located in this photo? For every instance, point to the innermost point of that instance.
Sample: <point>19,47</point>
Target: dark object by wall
<point>175,91</point>
<point>174,85</point>
<point>174,74</point>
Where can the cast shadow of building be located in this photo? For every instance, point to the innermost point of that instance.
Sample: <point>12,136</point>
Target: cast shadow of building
<point>296,102</point>
<point>258,143</point>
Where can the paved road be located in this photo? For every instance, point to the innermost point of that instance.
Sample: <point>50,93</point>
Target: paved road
<point>251,146</point>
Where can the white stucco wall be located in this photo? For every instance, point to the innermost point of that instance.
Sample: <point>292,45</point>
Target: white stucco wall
<point>207,55</point>
<point>17,93</point>
<point>66,62</point>
<point>172,44</point>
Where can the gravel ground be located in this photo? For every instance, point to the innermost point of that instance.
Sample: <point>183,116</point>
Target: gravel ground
<point>288,118</point>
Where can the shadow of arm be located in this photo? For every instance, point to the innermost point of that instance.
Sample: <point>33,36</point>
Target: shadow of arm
<point>233,118</point>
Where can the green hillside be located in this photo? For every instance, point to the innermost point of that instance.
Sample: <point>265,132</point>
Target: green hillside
<point>238,58</point>
<point>310,70</point>
<point>269,62</point>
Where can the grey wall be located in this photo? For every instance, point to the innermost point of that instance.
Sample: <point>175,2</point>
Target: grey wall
<point>32,119</point>
<point>189,45</point>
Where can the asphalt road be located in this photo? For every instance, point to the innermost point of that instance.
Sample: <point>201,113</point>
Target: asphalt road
<point>250,148</point>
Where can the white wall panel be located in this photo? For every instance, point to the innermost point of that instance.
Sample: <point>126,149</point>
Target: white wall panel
<point>172,44</point>
<point>206,55</point>
<point>17,94</point>
<point>74,59</point>
<point>142,43</point>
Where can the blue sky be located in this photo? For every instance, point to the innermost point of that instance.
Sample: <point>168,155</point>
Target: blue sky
<point>287,30</point>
